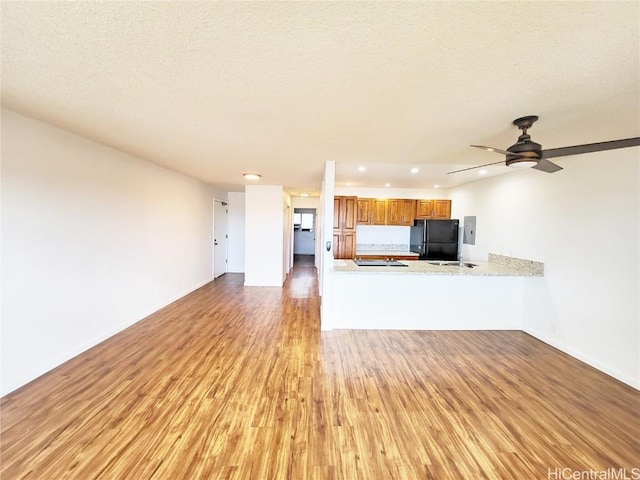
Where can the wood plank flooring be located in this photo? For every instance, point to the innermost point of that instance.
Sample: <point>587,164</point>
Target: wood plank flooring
<point>238,382</point>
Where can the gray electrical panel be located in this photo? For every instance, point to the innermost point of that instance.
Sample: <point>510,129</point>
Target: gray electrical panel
<point>469,236</point>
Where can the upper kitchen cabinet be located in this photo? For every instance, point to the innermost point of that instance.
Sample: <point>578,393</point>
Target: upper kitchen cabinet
<point>365,211</point>
<point>378,211</point>
<point>434,209</point>
<point>424,209</point>
<point>442,209</point>
<point>345,210</point>
<point>401,212</point>
<point>372,211</point>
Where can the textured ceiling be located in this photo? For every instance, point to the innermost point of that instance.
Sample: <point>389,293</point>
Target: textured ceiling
<point>213,89</point>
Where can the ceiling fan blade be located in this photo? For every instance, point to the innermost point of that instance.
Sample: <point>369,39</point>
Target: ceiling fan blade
<point>591,147</point>
<point>545,165</point>
<point>479,166</point>
<point>492,149</point>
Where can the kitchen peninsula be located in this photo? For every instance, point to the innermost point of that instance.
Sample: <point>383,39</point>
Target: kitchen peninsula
<point>430,296</point>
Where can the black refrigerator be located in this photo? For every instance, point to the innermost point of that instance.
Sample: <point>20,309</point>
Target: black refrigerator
<point>435,239</point>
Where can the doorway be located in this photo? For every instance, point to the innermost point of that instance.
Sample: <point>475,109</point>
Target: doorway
<point>220,237</point>
<point>304,236</point>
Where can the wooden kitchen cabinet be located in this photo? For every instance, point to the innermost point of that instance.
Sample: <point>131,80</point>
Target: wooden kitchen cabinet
<point>442,209</point>
<point>344,245</point>
<point>424,208</point>
<point>401,212</point>
<point>433,209</point>
<point>345,211</point>
<point>398,211</point>
<point>347,246</point>
<point>378,211</point>
<point>365,211</point>
<point>372,211</point>
<point>408,212</point>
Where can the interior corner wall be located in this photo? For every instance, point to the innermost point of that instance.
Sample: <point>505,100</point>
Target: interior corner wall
<point>264,246</point>
<point>287,234</point>
<point>584,224</point>
<point>236,232</point>
<point>93,240</point>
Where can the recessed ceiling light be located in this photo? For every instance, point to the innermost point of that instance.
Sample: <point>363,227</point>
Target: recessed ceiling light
<point>415,170</point>
<point>304,194</point>
<point>482,172</point>
<point>387,184</point>
<point>251,176</point>
<point>436,186</point>
<point>362,168</point>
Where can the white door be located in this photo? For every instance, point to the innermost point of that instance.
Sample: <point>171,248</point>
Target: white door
<point>220,235</point>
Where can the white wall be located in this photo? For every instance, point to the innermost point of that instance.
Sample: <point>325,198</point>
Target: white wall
<point>93,240</point>
<point>220,194</point>
<point>383,235</point>
<point>264,242</point>
<point>305,202</point>
<point>583,223</point>
<point>393,192</point>
<point>236,232</point>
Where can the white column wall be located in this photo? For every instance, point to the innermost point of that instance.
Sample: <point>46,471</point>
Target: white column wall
<point>326,258</point>
<point>264,242</point>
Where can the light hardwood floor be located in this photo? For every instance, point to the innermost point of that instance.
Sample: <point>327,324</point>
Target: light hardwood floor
<point>238,382</point>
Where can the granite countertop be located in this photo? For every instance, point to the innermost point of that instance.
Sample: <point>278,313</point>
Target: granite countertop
<point>497,265</point>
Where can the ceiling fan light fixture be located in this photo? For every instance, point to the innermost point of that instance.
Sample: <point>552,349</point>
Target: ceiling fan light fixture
<point>521,163</point>
<point>251,176</point>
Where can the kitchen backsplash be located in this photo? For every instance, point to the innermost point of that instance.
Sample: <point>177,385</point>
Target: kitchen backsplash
<point>382,247</point>
<point>383,238</point>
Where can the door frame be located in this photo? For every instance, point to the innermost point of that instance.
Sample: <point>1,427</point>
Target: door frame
<point>217,223</point>
<point>313,211</point>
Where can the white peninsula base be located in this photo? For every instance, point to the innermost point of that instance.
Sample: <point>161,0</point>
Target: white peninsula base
<point>424,297</point>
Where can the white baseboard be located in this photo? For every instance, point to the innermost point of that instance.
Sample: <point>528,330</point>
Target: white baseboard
<point>632,382</point>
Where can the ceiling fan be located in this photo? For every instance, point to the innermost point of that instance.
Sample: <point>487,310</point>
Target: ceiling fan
<point>528,154</point>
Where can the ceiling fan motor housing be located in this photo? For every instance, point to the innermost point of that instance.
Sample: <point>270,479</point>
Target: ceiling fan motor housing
<point>525,151</point>
<point>526,147</point>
